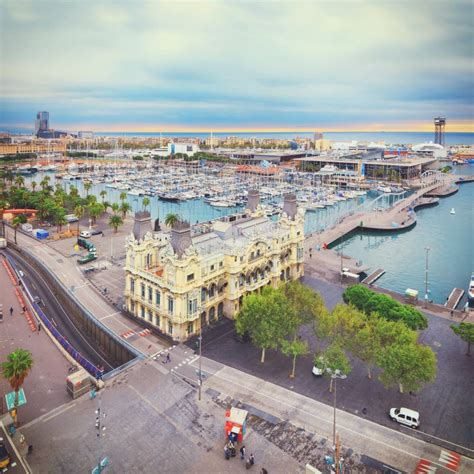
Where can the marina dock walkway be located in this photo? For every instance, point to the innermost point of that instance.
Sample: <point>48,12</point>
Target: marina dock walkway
<point>373,277</point>
<point>454,298</point>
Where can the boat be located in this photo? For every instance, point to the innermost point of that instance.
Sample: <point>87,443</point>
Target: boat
<point>168,197</point>
<point>452,211</point>
<point>470,291</point>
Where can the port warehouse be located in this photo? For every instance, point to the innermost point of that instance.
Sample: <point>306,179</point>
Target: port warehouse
<point>406,169</point>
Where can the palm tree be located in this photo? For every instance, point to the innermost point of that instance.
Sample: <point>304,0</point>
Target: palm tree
<point>15,369</point>
<point>115,221</point>
<point>124,208</point>
<point>171,219</point>
<point>33,185</point>
<point>19,181</point>
<point>17,221</point>
<point>73,192</point>
<point>115,207</point>
<point>95,210</point>
<point>103,194</point>
<point>87,187</point>
<point>146,203</point>
<point>123,196</point>
<point>79,213</point>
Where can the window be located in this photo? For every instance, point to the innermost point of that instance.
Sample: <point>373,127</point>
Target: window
<point>142,290</point>
<point>157,298</point>
<point>203,295</point>
<point>212,268</point>
<point>142,313</point>
<point>170,305</point>
<point>190,277</point>
<point>170,327</point>
<point>132,307</point>
<point>132,285</point>
<point>148,260</point>
<point>150,316</point>
<point>190,328</point>
<point>157,320</point>
<point>221,264</point>
<point>241,259</point>
<point>150,294</point>
<point>192,306</point>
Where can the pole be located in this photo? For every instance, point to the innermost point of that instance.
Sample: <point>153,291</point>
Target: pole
<point>200,360</point>
<point>426,276</point>
<point>334,422</point>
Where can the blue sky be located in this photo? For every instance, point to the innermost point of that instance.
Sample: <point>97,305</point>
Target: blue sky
<point>237,65</point>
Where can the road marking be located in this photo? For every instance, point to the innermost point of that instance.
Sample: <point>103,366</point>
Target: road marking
<point>109,315</point>
<point>450,459</point>
<point>193,360</point>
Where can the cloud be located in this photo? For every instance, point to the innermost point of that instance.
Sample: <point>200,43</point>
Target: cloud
<point>236,63</point>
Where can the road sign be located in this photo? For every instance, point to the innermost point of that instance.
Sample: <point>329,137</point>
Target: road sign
<point>10,399</point>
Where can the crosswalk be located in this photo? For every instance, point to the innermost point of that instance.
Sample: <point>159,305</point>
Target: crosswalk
<point>448,459</point>
<point>131,333</point>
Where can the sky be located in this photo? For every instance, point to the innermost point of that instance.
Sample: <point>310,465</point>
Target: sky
<point>237,65</point>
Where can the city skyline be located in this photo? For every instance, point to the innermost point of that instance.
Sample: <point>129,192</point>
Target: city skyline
<point>230,67</point>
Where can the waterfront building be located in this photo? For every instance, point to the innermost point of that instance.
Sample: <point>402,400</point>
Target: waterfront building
<point>180,280</point>
<point>85,135</point>
<point>42,122</point>
<point>185,148</point>
<point>32,147</point>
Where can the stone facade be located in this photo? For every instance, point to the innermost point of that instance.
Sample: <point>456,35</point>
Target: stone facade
<point>181,280</point>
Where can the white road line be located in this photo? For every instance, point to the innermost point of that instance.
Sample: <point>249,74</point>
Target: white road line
<point>193,360</point>
<point>109,315</point>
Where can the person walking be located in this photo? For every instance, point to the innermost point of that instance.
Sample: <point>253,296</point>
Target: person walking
<point>168,358</point>
<point>11,310</point>
<point>39,327</point>
<point>242,452</point>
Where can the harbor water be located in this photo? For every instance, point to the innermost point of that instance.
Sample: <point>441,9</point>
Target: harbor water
<point>402,255</point>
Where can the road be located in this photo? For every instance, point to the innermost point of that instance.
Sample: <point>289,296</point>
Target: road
<point>57,314</point>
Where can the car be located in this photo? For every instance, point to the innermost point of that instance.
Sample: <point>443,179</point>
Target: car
<point>88,258</point>
<point>21,274</point>
<point>4,456</point>
<point>97,232</point>
<point>318,367</point>
<point>405,416</point>
<point>85,233</point>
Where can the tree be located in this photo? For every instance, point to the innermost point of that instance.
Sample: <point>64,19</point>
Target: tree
<point>103,194</point>
<point>357,295</point>
<point>95,210</point>
<point>334,361</point>
<point>79,213</point>
<point>59,217</point>
<point>17,221</point>
<point>115,221</point>
<point>87,187</point>
<point>146,203</point>
<point>33,185</point>
<point>115,207</point>
<point>171,219</point>
<point>294,348</point>
<point>466,332</point>
<point>265,316</point>
<point>343,323</point>
<point>407,365</point>
<point>15,369</point>
<point>124,208</point>
<point>123,196</point>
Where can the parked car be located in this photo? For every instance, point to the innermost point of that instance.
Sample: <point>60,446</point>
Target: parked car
<point>318,367</point>
<point>97,232</point>
<point>1,313</point>
<point>4,456</point>
<point>85,233</point>
<point>88,258</point>
<point>405,416</point>
<point>71,218</point>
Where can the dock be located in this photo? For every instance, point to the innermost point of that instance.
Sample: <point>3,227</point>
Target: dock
<point>373,277</point>
<point>454,298</point>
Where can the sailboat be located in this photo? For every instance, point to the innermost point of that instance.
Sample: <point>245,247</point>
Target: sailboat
<point>452,211</point>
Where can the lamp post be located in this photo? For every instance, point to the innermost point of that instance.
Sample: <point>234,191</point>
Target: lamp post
<point>427,249</point>
<point>200,360</point>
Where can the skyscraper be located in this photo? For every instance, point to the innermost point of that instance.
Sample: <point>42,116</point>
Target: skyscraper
<point>440,124</point>
<point>42,122</point>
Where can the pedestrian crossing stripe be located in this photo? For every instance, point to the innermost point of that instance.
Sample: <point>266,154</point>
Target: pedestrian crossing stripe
<point>450,459</point>
<point>128,334</point>
<point>145,332</point>
<point>425,467</point>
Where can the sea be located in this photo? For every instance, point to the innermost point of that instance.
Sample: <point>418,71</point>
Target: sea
<point>393,138</point>
<point>449,238</point>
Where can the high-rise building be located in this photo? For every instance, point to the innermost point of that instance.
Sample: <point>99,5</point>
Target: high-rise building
<point>440,124</point>
<point>42,122</point>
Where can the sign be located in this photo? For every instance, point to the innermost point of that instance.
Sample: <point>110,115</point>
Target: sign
<point>98,469</point>
<point>10,399</point>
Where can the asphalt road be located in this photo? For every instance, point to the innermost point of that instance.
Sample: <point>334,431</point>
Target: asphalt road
<point>57,315</point>
<point>445,406</point>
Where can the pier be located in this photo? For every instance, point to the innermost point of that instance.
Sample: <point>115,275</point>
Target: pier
<point>454,298</point>
<point>373,277</point>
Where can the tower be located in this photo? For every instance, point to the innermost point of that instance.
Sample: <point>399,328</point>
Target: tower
<point>42,122</point>
<point>440,123</point>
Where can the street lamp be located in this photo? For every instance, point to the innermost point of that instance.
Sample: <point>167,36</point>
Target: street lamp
<point>427,249</point>
<point>200,360</point>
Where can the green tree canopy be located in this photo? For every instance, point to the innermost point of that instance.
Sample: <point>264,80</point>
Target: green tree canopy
<point>115,221</point>
<point>267,317</point>
<point>466,332</point>
<point>171,219</point>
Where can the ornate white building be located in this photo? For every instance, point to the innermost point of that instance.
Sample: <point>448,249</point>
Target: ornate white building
<point>181,280</point>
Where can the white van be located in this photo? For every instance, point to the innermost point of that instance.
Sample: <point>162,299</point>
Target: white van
<point>405,416</point>
<point>27,227</point>
<point>85,233</point>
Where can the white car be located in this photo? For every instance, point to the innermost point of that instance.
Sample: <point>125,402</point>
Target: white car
<point>405,416</point>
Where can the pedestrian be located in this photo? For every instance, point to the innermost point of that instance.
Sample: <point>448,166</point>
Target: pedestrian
<point>263,471</point>
<point>452,313</point>
<point>168,358</point>
<point>252,460</point>
<point>242,452</point>
<point>24,309</point>
<point>39,327</point>
<point>11,310</point>
<point>226,452</point>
